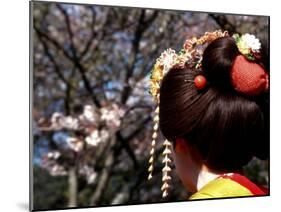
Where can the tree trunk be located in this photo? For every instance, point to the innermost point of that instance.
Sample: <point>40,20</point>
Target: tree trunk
<point>105,174</point>
<point>72,185</point>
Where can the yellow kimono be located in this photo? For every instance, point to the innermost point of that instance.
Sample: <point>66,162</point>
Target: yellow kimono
<point>234,185</point>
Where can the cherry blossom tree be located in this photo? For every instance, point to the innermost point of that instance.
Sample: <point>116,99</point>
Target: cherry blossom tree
<point>91,107</point>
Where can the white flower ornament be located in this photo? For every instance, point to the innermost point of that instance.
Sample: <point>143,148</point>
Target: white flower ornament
<point>248,45</point>
<point>168,59</point>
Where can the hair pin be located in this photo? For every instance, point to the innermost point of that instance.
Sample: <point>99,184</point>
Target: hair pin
<point>200,82</point>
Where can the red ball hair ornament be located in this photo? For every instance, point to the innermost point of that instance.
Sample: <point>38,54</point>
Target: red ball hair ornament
<point>200,82</point>
<point>248,77</point>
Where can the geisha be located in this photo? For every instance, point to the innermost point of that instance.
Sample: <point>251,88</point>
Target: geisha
<point>212,108</point>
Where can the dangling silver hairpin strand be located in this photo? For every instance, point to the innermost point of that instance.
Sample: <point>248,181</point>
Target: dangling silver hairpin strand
<point>167,169</point>
<point>153,143</point>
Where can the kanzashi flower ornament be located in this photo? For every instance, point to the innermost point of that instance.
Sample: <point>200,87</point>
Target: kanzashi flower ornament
<point>248,45</point>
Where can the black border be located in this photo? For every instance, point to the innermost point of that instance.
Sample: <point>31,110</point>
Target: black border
<point>31,103</point>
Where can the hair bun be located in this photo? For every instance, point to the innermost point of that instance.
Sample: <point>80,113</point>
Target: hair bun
<point>248,77</point>
<point>217,62</point>
<point>228,70</point>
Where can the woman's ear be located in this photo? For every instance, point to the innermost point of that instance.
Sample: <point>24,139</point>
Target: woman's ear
<point>181,146</point>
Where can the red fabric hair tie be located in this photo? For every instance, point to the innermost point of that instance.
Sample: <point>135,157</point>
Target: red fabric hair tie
<point>248,77</point>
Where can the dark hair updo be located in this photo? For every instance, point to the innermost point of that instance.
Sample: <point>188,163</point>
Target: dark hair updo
<point>226,128</point>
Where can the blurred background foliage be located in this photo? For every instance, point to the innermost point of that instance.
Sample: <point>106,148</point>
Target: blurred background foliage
<point>91,108</point>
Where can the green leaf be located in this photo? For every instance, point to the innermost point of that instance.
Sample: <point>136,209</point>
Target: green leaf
<point>236,38</point>
<point>182,51</point>
<point>250,57</point>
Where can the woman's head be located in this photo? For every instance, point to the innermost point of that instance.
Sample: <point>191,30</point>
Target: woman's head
<point>226,127</point>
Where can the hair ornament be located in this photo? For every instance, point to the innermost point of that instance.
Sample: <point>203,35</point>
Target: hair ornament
<point>248,45</point>
<point>200,82</point>
<point>248,78</point>
<point>189,54</point>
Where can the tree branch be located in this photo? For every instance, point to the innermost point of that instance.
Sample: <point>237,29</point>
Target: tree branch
<point>125,144</point>
<point>105,174</point>
<point>222,21</point>
<point>75,61</point>
<point>69,30</point>
<point>93,34</point>
<point>52,41</point>
<point>140,29</point>
<point>52,59</point>
<point>138,130</point>
<point>142,173</point>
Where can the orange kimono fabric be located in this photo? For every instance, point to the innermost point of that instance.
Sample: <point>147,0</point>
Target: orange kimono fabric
<point>234,185</point>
